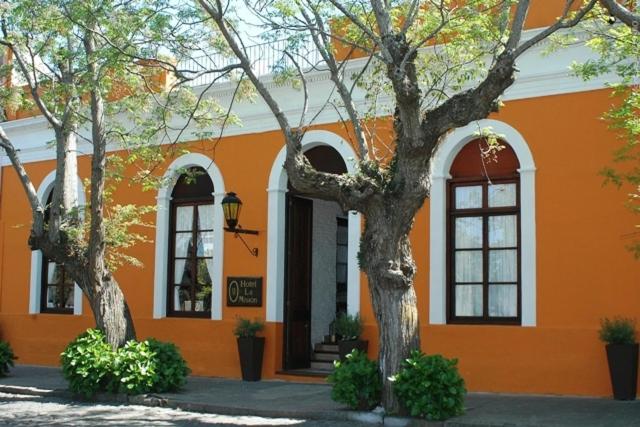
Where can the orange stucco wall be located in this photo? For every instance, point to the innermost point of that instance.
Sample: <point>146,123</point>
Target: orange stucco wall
<point>583,270</point>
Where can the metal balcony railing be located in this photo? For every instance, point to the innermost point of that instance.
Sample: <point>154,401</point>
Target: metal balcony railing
<point>265,58</point>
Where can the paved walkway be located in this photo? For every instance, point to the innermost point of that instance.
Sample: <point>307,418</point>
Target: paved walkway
<point>280,399</point>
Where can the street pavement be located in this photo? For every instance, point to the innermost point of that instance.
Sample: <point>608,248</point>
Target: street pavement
<point>24,410</point>
<point>287,402</point>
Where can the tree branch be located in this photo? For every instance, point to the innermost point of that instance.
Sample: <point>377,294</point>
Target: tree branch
<point>622,13</point>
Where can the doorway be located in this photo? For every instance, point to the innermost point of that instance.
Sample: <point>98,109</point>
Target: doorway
<point>315,266</point>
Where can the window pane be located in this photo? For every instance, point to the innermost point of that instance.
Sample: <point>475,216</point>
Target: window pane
<point>203,298</point>
<point>181,272</point>
<point>502,195</point>
<point>204,275</point>
<point>205,217</point>
<point>53,297</point>
<point>503,231</point>
<point>205,244</point>
<point>53,273</point>
<point>341,254</point>
<point>468,266</point>
<point>503,265</point>
<point>469,232</point>
<point>342,235</point>
<point>503,300</point>
<point>341,273</point>
<point>181,299</point>
<point>468,300</point>
<point>184,218</point>
<point>469,197</point>
<point>183,244</point>
<point>69,297</point>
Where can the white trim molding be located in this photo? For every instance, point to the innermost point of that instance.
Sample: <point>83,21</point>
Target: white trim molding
<point>277,191</point>
<point>440,166</point>
<point>162,233</point>
<point>46,186</point>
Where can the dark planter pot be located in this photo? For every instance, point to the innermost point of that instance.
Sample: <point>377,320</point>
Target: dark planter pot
<point>250,350</point>
<point>346,347</point>
<point>623,368</point>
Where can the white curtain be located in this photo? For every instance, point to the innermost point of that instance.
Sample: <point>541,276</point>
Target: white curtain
<point>501,195</point>
<point>503,231</point>
<point>468,300</point>
<point>469,197</point>
<point>503,300</point>
<point>184,218</point>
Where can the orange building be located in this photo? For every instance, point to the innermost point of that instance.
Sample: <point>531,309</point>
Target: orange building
<point>517,262</point>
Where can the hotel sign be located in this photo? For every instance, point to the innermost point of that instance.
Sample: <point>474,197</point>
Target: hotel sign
<point>244,291</point>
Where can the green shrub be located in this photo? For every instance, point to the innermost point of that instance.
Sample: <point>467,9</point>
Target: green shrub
<point>619,330</point>
<point>356,381</point>
<point>87,363</point>
<point>90,365</point>
<point>247,328</point>
<point>348,327</point>
<point>6,358</point>
<point>134,369</point>
<point>430,387</point>
<point>171,368</point>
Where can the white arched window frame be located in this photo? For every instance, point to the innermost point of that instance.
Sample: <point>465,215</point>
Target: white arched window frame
<point>162,233</point>
<point>36,256</point>
<point>277,190</point>
<point>440,167</point>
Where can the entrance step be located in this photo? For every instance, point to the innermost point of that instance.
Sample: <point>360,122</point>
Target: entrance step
<point>326,348</point>
<point>325,357</point>
<point>321,366</point>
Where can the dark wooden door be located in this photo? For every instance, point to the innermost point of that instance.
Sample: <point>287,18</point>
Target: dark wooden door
<point>297,327</point>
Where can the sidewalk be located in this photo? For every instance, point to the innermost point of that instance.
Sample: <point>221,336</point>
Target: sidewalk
<point>312,401</point>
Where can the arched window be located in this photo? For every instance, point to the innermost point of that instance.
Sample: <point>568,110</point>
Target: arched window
<point>483,238</point>
<point>191,244</point>
<point>56,287</point>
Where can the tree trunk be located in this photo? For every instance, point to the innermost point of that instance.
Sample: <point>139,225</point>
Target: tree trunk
<point>397,314</point>
<point>111,313</point>
<point>387,260</point>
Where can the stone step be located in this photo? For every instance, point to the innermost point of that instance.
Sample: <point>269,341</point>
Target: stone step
<point>326,348</point>
<point>321,366</point>
<point>325,357</point>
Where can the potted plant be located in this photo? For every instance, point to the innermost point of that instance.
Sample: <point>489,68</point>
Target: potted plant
<point>348,328</point>
<point>250,348</point>
<point>622,354</point>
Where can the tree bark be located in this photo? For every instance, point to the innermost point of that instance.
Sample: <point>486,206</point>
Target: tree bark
<point>111,313</point>
<point>386,258</point>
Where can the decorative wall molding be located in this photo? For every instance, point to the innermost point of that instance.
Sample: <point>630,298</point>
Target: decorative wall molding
<point>540,75</point>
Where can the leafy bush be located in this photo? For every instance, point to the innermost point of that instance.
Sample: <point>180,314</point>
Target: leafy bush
<point>171,368</point>
<point>87,363</point>
<point>348,327</point>
<point>430,386</point>
<point>356,381</point>
<point>90,365</point>
<point>619,330</point>
<point>6,358</point>
<point>134,369</point>
<point>247,328</point>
